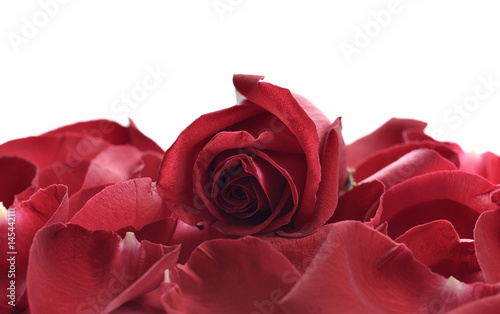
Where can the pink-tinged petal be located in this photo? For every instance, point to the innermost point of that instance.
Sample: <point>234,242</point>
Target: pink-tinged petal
<point>486,165</point>
<point>106,265</point>
<point>113,165</point>
<point>134,203</point>
<point>487,238</point>
<point>230,276</point>
<point>308,124</point>
<point>18,175</point>
<point>414,163</point>
<point>359,203</point>
<point>27,218</point>
<point>333,176</point>
<point>456,196</point>
<point>385,157</point>
<point>359,270</point>
<point>389,134</point>
<point>437,245</point>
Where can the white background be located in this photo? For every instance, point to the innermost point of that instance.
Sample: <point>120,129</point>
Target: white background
<point>426,59</point>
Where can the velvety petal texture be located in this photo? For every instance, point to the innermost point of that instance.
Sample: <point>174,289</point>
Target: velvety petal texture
<point>359,270</point>
<point>487,238</point>
<point>230,276</point>
<point>26,218</point>
<point>256,168</point>
<point>456,196</point>
<point>107,266</point>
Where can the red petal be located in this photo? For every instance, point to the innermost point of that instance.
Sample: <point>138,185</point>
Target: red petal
<point>87,270</point>
<point>456,196</point>
<point>45,206</point>
<point>359,270</point>
<point>333,176</point>
<point>230,276</point>
<point>359,203</point>
<point>412,164</point>
<point>18,175</point>
<point>487,238</point>
<point>134,203</point>
<point>389,134</point>
<point>306,122</point>
<point>437,245</point>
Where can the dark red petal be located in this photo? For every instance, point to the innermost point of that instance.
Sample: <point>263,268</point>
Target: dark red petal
<point>307,123</point>
<point>134,203</point>
<point>230,276</point>
<point>333,176</point>
<point>359,270</point>
<point>437,245</point>
<point>87,270</point>
<point>414,163</point>
<point>456,196</point>
<point>175,180</point>
<point>389,134</point>
<point>487,238</point>
<point>359,203</point>
<point>18,175</point>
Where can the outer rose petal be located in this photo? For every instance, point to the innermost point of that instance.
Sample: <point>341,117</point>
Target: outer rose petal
<point>456,196</point>
<point>416,162</point>
<point>86,269</point>
<point>487,238</point>
<point>44,206</point>
<point>230,276</point>
<point>437,245</point>
<point>359,203</point>
<point>17,176</point>
<point>134,203</point>
<point>360,270</point>
<point>389,134</point>
<point>111,132</point>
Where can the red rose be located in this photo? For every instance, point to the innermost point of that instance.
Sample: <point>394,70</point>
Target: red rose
<point>256,167</point>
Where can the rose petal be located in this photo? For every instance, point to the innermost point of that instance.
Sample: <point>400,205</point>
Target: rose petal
<point>389,134</point>
<point>359,203</point>
<point>456,196</point>
<point>360,270</point>
<point>307,123</point>
<point>230,276</point>
<point>134,203</point>
<point>487,238</point>
<point>29,216</point>
<point>18,175</point>
<point>414,163</point>
<point>437,245</point>
<point>106,266</point>
<point>333,176</point>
